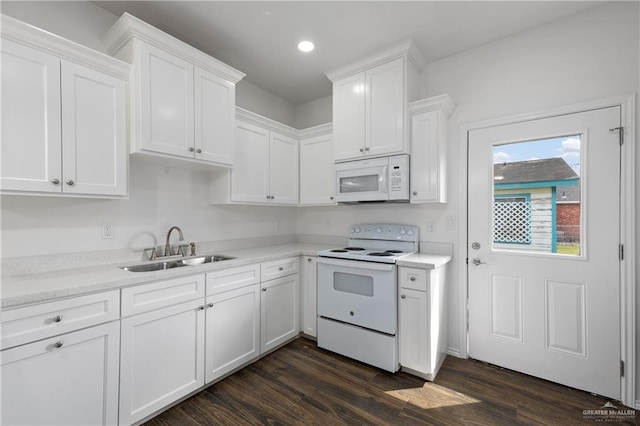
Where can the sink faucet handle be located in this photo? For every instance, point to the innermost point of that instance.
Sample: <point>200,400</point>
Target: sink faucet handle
<point>181,248</point>
<point>154,253</point>
<point>193,248</point>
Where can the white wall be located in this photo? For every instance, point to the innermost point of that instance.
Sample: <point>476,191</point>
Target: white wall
<point>314,113</point>
<point>255,99</point>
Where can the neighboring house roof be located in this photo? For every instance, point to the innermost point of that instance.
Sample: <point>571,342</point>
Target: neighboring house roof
<point>568,194</point>
<point>534,174</point>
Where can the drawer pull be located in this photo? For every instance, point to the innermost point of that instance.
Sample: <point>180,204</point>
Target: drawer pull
<point>403,296</point>
<point>412,279</point>
<point>57,318</point>
<point>58,344</point>
<point>281,268</point>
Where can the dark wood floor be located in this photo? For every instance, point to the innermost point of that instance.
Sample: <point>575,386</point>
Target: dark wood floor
<point>301,384</point>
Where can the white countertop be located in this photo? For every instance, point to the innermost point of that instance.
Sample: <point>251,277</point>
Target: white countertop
<point>41,287</point>
<point>423,260</point>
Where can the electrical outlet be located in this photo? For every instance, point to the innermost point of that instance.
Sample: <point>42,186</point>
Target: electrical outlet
<point>451,223</point>
<point>431,227</point>
<point>108,231</point>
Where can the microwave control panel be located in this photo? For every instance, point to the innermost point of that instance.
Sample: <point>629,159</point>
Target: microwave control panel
<point>398,177</point>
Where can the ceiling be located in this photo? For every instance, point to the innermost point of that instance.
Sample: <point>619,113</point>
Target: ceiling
<point>260,38</point>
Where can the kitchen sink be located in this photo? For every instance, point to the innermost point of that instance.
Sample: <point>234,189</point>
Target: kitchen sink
<point>159,266</point>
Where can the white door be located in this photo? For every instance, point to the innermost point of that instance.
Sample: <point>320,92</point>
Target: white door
<point>279,311</point>
<point>162,359</point>
<point>215,118</point>
<point>283,172</point>
<point>349,117</point>
<point>250,175</point>
<point>166,103</point>
<point>70,379</point>
<point>31,132</point>
<point>94,144</point>
<point>317,177</point>
<point>543,235</point>
<point>385,108</point>
<point>233,330</point>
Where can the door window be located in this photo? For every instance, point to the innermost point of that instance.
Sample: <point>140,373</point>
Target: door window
<point>537,196</point>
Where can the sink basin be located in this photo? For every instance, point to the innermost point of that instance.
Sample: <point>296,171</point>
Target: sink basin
<point>205,259</point>
<point>159,266</point>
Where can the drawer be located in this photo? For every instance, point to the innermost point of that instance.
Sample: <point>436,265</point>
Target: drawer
<point>31,323</point>
<point>279,268</point>
<point>161,294</point>
<point>231,279</point>
<point>413,278</point>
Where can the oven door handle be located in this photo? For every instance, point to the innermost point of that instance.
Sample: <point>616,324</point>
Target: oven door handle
<point>356,264</point>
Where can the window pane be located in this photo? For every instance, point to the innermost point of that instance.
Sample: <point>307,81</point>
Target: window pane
<point>536,204</point>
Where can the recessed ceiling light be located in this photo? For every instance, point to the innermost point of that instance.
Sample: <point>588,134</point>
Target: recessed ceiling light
<point>305,46</point>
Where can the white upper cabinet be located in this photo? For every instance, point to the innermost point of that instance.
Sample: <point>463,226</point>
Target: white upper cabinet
<point>429,148</point>
<point>370,103</point>
<point>316,166</point>
<point>63,115</point>
<point>183,101</point>
<point>266,164</point>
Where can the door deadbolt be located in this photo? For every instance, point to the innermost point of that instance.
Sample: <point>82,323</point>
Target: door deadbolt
<point>475,246</point>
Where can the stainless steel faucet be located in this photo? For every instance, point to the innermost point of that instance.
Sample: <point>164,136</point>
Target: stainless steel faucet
<point>167,247</point>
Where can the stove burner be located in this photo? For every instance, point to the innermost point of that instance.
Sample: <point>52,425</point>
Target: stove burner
<point>354,248</point>
<point>381,254</point>
<point>393,251</point>
<point>338,251</point>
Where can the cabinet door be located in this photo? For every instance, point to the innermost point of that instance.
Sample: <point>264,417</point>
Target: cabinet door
<point>386,106</point>
<point>162,358</point>
<point>413,332</point>
<point>283,174</point>
<point>250,175</point>
<point>317,176</point>
<point>31,129</point>
<point>67,380</point>
<point>427,157</point>
<point>233,330</point>
<point>166,102</point>
<point>279,311</point>
<point>308,291</point>
<point>349,117</point>
<point>93,132</point>
<point>215,117</point>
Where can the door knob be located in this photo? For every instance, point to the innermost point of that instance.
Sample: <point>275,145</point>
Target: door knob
<point>476,261</point>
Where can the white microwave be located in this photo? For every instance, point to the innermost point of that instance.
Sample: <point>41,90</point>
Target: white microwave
<point>373,180</point>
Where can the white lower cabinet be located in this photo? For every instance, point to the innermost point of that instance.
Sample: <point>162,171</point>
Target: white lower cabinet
<point>279,311</point>
<point>422,331</point>
<point>308,293</point>
<point>233,330</point>
<point>71,379</point>
<point>162,350</point>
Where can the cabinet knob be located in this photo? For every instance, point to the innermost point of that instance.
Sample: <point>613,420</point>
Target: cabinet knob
<point>403,296</point>
<point>309,259</point>
<point>366,148</point>
<point>70,182</point>
<point>58,344</point>
<point>361,149</point>
<point>412,279</point>
<point>201,308</point>
<point>268,197</point>
<point>415,192</point>
<point>210,305</point>
<point>281,268</point>
<point>264,289</point>
<point>191,149</point>
<point>57,318</point>
<point>331,198</point>
<point>55,181</point>
<point>199,151</point>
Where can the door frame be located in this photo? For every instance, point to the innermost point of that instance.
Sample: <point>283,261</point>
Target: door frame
<point>627,102</point>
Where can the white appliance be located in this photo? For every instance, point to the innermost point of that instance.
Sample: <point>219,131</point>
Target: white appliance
<point>358,293</point>
<point>373,180</point>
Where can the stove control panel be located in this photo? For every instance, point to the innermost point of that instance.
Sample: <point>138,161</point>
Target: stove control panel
<point>390,232</point>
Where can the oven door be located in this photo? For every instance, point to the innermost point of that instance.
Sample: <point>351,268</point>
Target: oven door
<point>358,293</point>
<point>363,180</point>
